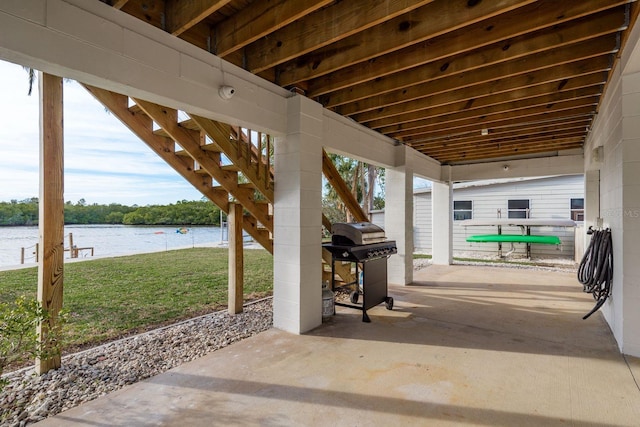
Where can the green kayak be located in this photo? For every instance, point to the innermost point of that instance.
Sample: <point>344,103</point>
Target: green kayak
<point>514,238</point>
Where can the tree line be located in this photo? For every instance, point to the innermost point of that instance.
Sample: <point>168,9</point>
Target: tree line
<point>366,182</point>
<point>201,212</point>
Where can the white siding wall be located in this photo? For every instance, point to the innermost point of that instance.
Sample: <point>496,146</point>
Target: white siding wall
<point>549,198</point>
<point>422,230</point>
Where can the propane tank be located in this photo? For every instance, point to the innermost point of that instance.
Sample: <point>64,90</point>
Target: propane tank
<point>328,307</point>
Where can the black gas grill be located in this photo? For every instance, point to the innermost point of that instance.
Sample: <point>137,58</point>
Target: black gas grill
<point>365,245</point>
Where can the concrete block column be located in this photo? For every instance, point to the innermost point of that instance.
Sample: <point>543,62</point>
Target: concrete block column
<point>442,223</point>
<point>297,293</point>
<point>398,222</point>
<point>630,215</point>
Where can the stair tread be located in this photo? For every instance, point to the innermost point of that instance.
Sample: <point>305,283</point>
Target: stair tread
<point>189,124</point>
<point>135,108</point>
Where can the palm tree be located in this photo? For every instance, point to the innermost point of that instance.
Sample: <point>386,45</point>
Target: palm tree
<point>362,178</point>
<point>32,78</point>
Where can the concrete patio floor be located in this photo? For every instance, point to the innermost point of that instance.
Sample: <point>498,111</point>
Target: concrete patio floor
<point>462,346</point>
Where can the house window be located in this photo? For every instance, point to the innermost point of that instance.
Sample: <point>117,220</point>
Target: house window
<point>577,209</point>
<point>462,209</point>
<point>518,208</point>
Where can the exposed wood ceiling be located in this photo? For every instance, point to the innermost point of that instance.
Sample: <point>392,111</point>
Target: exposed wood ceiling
<point>459,80</point>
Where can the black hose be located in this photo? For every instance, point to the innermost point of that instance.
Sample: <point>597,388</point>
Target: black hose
<point>596,268</point>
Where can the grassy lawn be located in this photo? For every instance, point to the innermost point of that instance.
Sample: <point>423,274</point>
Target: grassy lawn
<point>110,298</point>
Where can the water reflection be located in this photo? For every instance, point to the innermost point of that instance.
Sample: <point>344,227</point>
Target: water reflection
<point>107,240</point>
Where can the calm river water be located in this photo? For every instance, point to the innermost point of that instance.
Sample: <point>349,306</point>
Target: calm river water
<point>106,240</point>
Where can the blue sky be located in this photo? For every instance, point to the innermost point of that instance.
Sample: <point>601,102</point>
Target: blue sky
<point>104,161</point>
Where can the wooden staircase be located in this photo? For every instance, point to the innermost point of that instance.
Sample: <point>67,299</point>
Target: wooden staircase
<point>225,163</point>
<point>195,147</point>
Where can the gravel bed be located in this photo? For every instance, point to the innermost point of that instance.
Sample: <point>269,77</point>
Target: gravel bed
<point>95,372</point>
<point>489,260</point>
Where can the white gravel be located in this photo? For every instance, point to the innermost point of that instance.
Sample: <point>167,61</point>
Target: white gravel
<point>93,373</point>
<point>519,262</point>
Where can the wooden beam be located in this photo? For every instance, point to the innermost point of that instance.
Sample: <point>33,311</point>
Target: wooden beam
<point>51,213</point>
<point>525,108</point>
<point>470,70</point>
<point>326,26</point>
<point>199,35</point>
<point>559,111</point>
<point>236,259</point>
<point>150,12</point>
<point>184,14</point>
<point>501,134</point>
<point>117,4</point>
<point>480,96</point>
<point>432,20</point>
<point>512,152</point>
<point>502,30</point>
<point>259,20</point>
<point>524,141</point>
<point>333,176</point>
<point>474,126</point>
<point>444,115</point>
<point>442,91</point>
<point>326,223</point>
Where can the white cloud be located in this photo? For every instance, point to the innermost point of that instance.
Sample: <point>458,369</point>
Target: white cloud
<point>104,161</point>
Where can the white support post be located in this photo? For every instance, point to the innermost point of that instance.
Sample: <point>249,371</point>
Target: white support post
<point>398,222</point>
<point>297,293</point>
<point>626,251</point>
<point>442,211</point>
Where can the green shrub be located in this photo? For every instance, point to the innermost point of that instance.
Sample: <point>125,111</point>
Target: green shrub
<point>18,332</point>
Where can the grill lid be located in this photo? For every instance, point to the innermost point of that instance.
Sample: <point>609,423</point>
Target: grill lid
<point>356,233</point>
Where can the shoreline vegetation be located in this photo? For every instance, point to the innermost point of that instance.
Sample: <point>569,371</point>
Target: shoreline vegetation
<point>200,212</point>
<point>111,298</point>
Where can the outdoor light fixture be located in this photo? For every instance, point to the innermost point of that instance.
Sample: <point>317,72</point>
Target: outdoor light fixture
<point>484,132</point>
<point>226,92</point>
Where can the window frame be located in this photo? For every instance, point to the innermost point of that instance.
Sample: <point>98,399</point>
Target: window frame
<point>519,211</point>
<point>577,214</point>
<point>465,211</point>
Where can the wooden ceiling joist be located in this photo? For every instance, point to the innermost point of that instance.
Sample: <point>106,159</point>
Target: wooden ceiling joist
<point>474,99</point>
<point>504,136</point>
<point>501,30</point>
<point>472,69</point>
<point>529,141</point>
<point>560,109</point>
<point>447,89</point>
<point>515,128</point>
<point>432,20</point>
<point>184,14</point>
<point>442,116</point>
<point>497,152</point>
<point>251,24</point>
<point>419,70</point>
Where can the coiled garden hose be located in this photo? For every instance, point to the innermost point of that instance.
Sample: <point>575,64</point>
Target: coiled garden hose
<point>596,268</point>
